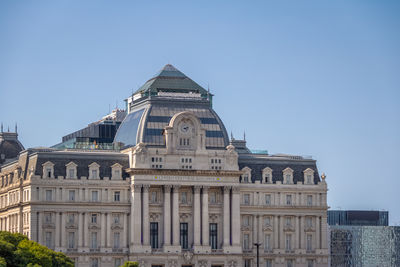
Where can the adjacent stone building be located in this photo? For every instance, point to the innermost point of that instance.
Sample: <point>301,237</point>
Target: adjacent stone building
<point>171,190</point>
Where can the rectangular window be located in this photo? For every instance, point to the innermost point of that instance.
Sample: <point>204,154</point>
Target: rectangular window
<point>116,219</point>
<point>71,218</point>
<point>288,179</point>
<point>246,221</point>
<point>71,240</point>
<point>213,235</point>
<point>117,195</point>
<point>267,242</point>
<point>48,172</point>
<point>47,218</point>
<point>117,173</point>
<point>117,262</point>
<point>94,218</point>
<point>94,174</point>
<point>93,240</point>
<point>288,199</point>
<point>268,199</point>
<point>268,263</point>
<point>246,199</point>
<point>183,197</point>
<point>49,195</point>
<point>213,197</point>
<point>267,221</point>
<point>184,235</point>
<point>49,239</point>
<point>116,240</point>
<point>153,197</point>
<point>308,222</point>
<point>154,235</point>
<point>246,242</point>
<point>247,263</point>
<point>94,262</point>
<point>288,243</point>
<point>309,200</point>
<point>71,173</point>
<point>246,178</point>
<point>310,263</point>
<point>71,195</point>
<point>95,196</point>
<point>308,179</point>
<point>289,263</point>
<point>288,221</point>
<point>309,243</point>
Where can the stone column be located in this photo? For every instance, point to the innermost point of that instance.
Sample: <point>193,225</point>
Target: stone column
<point>167,215</point>
<point>108,230</point>
<point>63,232</point>
<point>125,231</point>
<point>103,230</point>
<point>80,229</point>
<point>302,238</point>
<point>146,223</point>
<point>260,230</point>
<point>226,225</point>
<point>317,232</point>
<point>58,228</point>
<point>296,232</point>
<point>40,232</point>
<point>196,216</point>
<point>205,222</point>
<point>281,233</point>
<point>85,229</point>
<point>136,213</point>
<point>175,215</point>
<point>324,233</point>
<point>236,218</point>
<point>254,230</point>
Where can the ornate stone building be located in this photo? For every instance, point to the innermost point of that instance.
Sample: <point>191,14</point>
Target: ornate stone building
<point>171,190</point>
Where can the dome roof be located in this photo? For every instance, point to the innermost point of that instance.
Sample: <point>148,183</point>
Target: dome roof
<point>149,116</point>
<point>9,146</point>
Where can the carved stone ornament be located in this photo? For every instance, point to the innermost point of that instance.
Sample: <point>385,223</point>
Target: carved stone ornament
<point>188,256</point>
<point>203,263</point>
<point>141,152</point>
<point>146,187</point>
<point>173,263</point>
<point>184,217</point>
<point>196,189</point>
<point>142,263</point>
<point>235,189</point>
<point>213,217</point>
<point>232,263</point>
<point>136,187</point>
<point>154,217</point>
<point>227,189</point>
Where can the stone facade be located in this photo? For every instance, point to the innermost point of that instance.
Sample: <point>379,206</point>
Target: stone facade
<point>191,201</point>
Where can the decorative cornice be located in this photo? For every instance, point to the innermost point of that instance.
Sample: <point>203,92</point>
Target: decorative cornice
<point>146,187</point>
<point>196,189</point>
<point>227,189</point>
<point>134,171</point>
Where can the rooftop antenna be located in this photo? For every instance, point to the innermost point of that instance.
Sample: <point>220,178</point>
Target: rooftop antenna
<point>16,127</point>
<point>244,135</point>
<point>116,104</point>
<point>8,128</point>
<point>109,108</point>
<point>231,135</point>
<point>1,127</point>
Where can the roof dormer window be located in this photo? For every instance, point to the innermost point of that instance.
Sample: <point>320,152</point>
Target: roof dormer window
<point>246,176</point>
<point>267,175</point>
<point>71,172</point>
<point>48,170</point>
<point>287,176</point>
<point>308,176</point>
<point>94,171</point>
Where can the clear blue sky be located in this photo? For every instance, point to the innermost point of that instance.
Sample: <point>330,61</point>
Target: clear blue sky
<point>316,78</point>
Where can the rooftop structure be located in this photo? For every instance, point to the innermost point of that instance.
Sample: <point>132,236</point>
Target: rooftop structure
<point>358,217</point>
<point>10,146</point>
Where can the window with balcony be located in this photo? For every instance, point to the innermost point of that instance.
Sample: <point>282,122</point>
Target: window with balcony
<point>267,242</point>
<point>288,242</point>
<point>94,262</point>
<point>71,240</point>
<point>184,235</point>
<point>289,263</point>
<point>247,263</point>
<point>116,240</point>
<point>154,234</point>
<point>213,235</point>
<point>309,243</point>
<point>154,197</point>
<point>117,262</point>
<point>213,197</point>
<point>310,263</point>
<point>268,263</point>
<point>49,239</point>
<point>246,242</point>
<point>93,240</point>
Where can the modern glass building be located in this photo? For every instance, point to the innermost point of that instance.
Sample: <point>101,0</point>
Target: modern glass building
<point>358,217</point>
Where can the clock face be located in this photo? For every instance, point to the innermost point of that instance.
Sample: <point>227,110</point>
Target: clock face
<point>184,128</point>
